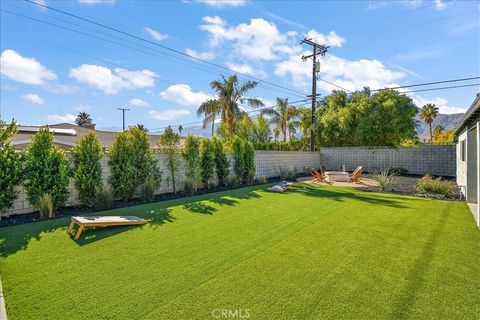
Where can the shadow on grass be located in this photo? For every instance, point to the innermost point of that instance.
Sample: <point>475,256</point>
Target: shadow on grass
<point>199,207</point>
<point>416,278</point>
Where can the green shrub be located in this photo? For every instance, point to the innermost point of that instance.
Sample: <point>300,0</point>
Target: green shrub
<point>169,147</point>
<point>104,198</point>
<point>208,161</point>
<point>249,161</point>
<point>436,187</point>
<point>263,179</point>
<point>384,178</point>
<point>398,171</point>
<point>45,205</point>
<point>10,166</point>
<point>46,170</point>
<point>238,158</point>
<point>143,161</point>
<point>148,189</point>
<point>123,175</point>
<point>222,165</point>
<point>191,153</point>
<point>87,170</point>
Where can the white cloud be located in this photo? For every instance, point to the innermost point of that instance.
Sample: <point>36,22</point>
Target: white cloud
<point>246,69</point>
<point>33,98</point>
<point>155,34</point>
<point>201,55</point>
<point>82,107</point>
<point>183,94</point>
<point>352,75</point>
<point>170,114</point>
<point>332,39</point>
<point>112,82</point>
<point>223,3</point>
<point>55,118</point>
<point>443,106</point>
<point>22,69</point>
<point>41,2</point>
<point>138,103</point>
<point>96,1</point>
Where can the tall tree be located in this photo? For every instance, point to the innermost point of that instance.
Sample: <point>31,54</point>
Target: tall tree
<point>281,115</point>
<point>305,120</point>
<point>428,113</point>
<point>168,143</point>
<point>10,166</point>
<point>231,94</point>
<point>82,119</point>
<point>211,110</point>
<point>276,133</point>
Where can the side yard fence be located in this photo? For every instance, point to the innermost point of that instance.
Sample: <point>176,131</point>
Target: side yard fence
<point>267,163</point>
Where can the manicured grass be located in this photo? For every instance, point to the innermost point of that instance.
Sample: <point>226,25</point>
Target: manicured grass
<point>311,253</point>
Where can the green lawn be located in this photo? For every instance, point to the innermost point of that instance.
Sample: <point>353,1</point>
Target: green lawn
<point>310,253</point>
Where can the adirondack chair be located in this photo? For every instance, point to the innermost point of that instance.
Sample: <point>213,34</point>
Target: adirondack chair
<point>317,176</point>
<point>356,174</point>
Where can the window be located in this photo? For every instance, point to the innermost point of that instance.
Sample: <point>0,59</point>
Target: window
<point>462,150</point>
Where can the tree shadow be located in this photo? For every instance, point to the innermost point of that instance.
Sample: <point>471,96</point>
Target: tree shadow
<point>199,207</point>
<point>224,201</point>
<point>159,216</point>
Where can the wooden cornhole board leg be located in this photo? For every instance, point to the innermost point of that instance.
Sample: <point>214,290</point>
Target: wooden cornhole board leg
<point>70,227</point>
<point>79,232</point>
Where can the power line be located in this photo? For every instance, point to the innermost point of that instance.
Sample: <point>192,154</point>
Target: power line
<point>443,88</point>
<point>162,46</point>
<point>429,83</point>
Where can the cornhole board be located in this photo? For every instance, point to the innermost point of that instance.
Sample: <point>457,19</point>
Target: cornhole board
<point>102,221</point>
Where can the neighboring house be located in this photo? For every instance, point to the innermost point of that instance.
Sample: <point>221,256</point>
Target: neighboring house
<point>467,134</point>
<point>66,135</point>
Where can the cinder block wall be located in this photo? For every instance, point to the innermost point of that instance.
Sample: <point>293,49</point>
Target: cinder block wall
<point>434,159</point>
<point>267,163</point>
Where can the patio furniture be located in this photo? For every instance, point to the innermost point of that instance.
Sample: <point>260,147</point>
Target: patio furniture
<point>343,168</point>
<point>102,221</point>
<point>323,169</point>
<point>356,174</point>
<point>338,176</point>
<point>281,187</point>
<point>318,176</point>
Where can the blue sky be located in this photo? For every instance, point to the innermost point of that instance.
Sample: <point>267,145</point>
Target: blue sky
<point>49,74</point>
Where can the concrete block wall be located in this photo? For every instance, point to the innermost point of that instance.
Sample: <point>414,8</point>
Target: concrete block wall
<point>434,159</point>
<point>267,163</point>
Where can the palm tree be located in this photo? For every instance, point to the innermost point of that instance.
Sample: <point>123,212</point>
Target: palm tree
<point>281,115</point>
<point>428,113</point>
<point>231,95</point>
<point>82,119</point>
<point>276,133</point>
<point>210,109</point>
<point>292,129</point>
<point>305,120</point>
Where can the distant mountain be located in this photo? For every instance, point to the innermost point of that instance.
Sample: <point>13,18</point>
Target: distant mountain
<point>448,121</point>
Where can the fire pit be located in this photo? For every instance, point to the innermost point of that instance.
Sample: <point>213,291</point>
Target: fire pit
<point>339,176</point>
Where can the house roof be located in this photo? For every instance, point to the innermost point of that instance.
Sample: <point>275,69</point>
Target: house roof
<point>472,115</point>
<point>68,134</point>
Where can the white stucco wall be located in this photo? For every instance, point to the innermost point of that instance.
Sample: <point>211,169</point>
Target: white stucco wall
<point>461,165</point>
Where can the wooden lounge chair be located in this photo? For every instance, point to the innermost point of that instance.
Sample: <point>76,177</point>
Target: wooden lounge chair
<point>356,174</point>
<point>318,177</point>
<point>323,169</point>
<point>102,221</point>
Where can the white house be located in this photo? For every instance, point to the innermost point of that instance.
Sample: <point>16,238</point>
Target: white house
<point>467,134</point>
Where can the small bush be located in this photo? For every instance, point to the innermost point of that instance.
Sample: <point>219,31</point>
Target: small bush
<point>222,165</point>
<point>435,187</point>
<point>191,153</point>
<point>148,189</point>
<point>45,206</point>
<point>398,171</point>
<point>207,161</point>
<point>384,178</point>
<point>263,179</point>
<point>239,161</point>
<point>104,198</point>
<point>248,161</point>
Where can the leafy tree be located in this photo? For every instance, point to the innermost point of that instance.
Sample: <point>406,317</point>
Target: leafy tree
<point>208,161</point>
<point>445,137</point>
<point>222,165</point>
<point>123,176</point>
<point>248,161</point>
<point>10,166</point>
<point>145,165</point>
<point>281,115</point>
<point>87,170</point>
<point>276,133</point>
<point>305,120</point>
<point>191,153</point>
<point>83,118</point>
<point>292,129</point>
<point>211,109</point>
<point>231,95</point>
<point>46,170</point>
<point>437,132</point>
<point>261,130</point>
<point>238,158</point>
<point>141,127</point>
<point>169,146</point>
<point>428,113</point>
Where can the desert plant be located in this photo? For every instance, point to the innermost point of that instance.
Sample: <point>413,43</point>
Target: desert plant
<point>46,170</point>
<point>191,153</point>
<point>169,146</point>
<point>10,166</point>
<point>45,206</point>
<point>249,161</point>
<point>398,171</point>
<point>87,170</point>
<point>222,165</point>
<point>104,198</point>
<point>208,161</point>
<point>148,189</point>
<point>436,187</point>
<point>384,178</point>
<point>238,158</point>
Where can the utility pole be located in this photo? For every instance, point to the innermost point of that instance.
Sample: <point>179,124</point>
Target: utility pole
<point>321,50</point>
<point>123,114</point>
